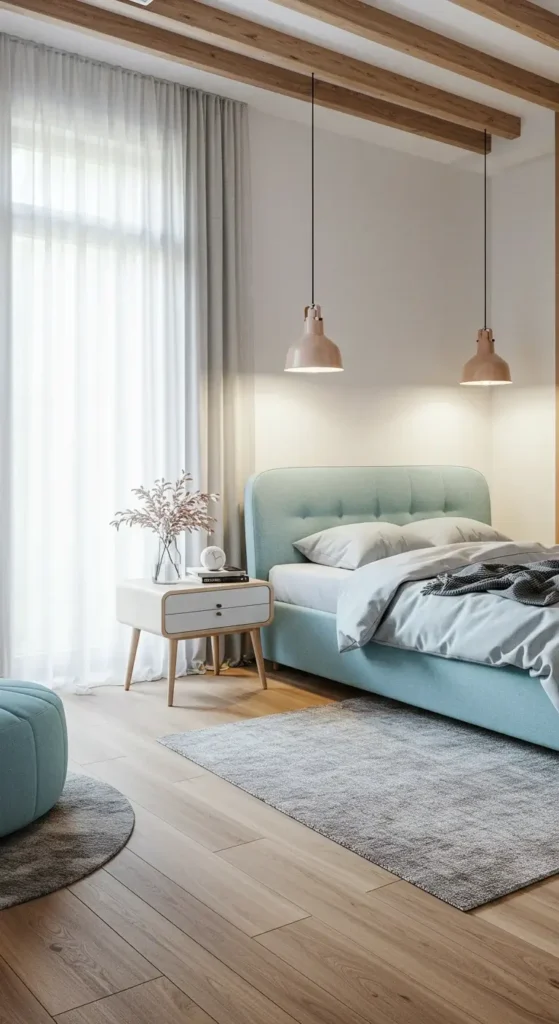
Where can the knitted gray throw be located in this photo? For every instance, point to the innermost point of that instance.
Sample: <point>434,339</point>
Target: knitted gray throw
<point>537,583</point>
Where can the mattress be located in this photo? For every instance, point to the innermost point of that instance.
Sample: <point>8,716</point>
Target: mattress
<point>309,585</point>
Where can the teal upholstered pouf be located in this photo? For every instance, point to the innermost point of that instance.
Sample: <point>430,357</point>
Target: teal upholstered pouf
<point>33,753</point>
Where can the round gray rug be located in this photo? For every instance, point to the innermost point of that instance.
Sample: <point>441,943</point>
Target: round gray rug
<point>90,824</point>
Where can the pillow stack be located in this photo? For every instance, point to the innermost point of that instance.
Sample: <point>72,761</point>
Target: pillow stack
<point>358,544</point>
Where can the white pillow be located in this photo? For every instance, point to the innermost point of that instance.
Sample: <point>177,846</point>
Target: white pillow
<point>452,530</point>
<point>357,544</point>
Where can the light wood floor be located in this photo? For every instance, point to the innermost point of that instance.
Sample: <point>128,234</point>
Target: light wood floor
<point>223,910</point>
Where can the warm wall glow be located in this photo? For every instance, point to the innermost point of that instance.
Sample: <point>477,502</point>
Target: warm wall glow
<point>305,420</point>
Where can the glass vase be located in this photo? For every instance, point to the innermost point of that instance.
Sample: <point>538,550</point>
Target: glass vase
<point>167,568</point>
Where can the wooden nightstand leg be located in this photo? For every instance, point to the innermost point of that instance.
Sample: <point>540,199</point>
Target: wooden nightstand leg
<point>255,637</point>
<point>215,655</point>
<point>173,645</point>
<point>131,657</point>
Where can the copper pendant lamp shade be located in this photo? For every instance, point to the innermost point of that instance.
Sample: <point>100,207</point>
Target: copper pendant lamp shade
<point>314,352</point>
<point>486,368</point>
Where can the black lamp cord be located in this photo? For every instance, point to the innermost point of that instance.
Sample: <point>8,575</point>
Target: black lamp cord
<point>485,230</point>
<point>312,189</point>
<point>484,210</point>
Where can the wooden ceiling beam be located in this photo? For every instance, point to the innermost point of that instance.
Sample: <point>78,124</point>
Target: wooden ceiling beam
<point>251,38</point>
<point>407,37</point>
<point>520,15</point>
<point>146,36</point>
<point>394,116</point>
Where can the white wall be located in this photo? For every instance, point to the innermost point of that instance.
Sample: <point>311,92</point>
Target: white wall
<point>523,318</point>
<point>399,279</point>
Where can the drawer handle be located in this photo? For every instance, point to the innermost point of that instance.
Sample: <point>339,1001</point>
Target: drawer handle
<point>218,606</point>
<point>218,613</point>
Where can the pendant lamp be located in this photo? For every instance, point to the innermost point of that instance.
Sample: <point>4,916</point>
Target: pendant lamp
<point>314,352</point>
<point>486,368</point>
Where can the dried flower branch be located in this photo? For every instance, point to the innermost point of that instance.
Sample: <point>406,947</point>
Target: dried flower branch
<point>169,509</point>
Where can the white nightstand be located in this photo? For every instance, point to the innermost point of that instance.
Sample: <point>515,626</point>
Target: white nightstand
<point>185,610</point>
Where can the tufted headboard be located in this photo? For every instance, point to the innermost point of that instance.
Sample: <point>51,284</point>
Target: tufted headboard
<point>283,505</point>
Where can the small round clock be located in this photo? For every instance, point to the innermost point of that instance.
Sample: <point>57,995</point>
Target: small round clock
<point>213,558</point>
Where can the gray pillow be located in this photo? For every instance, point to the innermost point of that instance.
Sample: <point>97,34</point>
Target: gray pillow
<point>452,530</point>
<point>357,544</point>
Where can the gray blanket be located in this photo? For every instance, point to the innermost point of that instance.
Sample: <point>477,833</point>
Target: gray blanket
<point>537,583</point>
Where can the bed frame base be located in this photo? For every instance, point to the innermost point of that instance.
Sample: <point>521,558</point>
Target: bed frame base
<point>505,700</point>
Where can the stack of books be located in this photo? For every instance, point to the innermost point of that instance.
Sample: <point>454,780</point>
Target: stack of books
<point>229,574</point>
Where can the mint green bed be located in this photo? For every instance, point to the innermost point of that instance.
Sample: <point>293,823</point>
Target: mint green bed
<point>283,505</point>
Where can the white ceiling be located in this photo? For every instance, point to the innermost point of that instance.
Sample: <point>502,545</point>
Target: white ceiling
<point>537,123</point>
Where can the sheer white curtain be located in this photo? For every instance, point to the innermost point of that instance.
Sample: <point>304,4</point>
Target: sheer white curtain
<point>122,340</point>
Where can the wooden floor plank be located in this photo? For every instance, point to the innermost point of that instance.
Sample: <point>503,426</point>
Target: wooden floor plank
<point>282,867</point>
<point>17,1004</point>
<point>489,991</point>
<point>363,981</point>
<point>180,807</point>
<point>493,989</point>
<point>93,738</point>
<point>86,744</point>
<point>156,1002</point>
<point>201,701</point>
<point>484,938</point>
<point>65,955</point>
<point>345,867</point>
<point>283,984</point>
<point>249,905</point>
<point>206,980</point>
<point>531,916</point>
<point>144,708</point>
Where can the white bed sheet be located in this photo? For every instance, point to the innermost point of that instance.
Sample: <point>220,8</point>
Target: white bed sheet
<point>309,585</point>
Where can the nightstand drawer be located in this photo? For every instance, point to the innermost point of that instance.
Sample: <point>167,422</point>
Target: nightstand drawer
<point>219,599</point>
<point>218,618</point>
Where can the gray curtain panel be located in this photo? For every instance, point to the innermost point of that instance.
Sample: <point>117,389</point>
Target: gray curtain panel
<point>218,268</point>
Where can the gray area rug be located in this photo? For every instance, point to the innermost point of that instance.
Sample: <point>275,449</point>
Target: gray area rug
<point>463,813</point>
<point>90,824</point>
